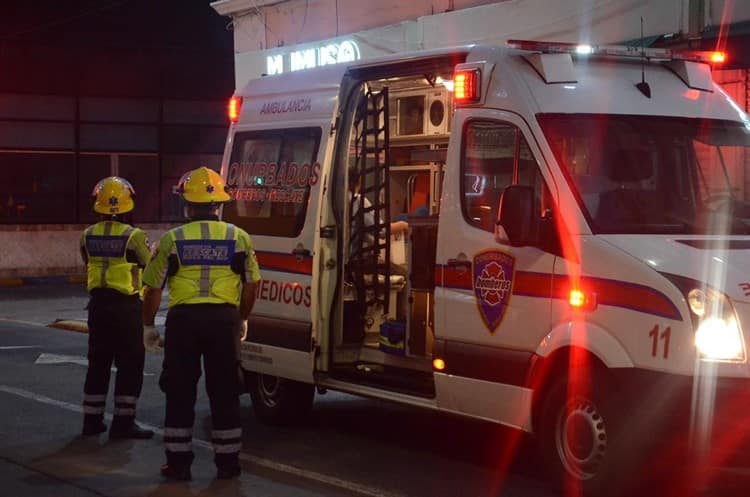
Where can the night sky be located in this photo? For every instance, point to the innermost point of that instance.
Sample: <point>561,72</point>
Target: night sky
<point>117,23</point>
<point>151,48</point>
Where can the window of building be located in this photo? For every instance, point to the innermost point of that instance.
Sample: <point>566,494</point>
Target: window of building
<point>54,149</point>
<point>142,171</point>
<point>37,187</point>
<point>495,155</point>
<point>91,169</point>
<point>271,173</point>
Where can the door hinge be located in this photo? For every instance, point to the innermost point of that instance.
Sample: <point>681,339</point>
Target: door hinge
<point>328,231</point>
<point>334,126</point>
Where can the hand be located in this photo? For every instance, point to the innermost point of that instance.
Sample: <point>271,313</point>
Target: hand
<point>243,329</point>
<point>151,338</point>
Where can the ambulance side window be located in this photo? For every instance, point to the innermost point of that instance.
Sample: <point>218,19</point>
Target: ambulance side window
<point>495,155</point>
<point>270,175</point>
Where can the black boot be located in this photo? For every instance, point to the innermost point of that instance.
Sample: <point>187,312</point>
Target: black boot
<point>93,424</point>
<point>175,472</point>
<point>125,427</point>
<point>227,466</point>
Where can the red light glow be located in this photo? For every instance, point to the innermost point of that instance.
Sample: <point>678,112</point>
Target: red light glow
<point>465,86</point>
<point>577,298</point>
<point>233,109</point>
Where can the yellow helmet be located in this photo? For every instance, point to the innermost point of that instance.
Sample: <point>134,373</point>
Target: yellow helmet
<point>113,195</point>
<point>203,186</point>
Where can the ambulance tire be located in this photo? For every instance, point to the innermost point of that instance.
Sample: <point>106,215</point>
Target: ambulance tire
<point>597,463</point>
<point>279,401</point>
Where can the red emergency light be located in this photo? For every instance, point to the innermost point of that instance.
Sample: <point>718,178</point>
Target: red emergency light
<point>466,86</point>
<point>707,57</point>
<point>233,109</point>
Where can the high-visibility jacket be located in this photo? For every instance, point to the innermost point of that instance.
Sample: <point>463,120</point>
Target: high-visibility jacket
<point>115,254</point>
<point>205,262</point>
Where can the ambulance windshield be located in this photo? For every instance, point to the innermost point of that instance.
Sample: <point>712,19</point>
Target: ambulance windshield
<point>649,174</point>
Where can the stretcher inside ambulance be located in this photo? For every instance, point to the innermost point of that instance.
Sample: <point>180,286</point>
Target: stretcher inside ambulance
<point>478,230</point>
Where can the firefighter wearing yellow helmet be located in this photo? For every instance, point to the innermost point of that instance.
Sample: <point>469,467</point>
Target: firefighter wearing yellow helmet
<point>212,273</point>
<point>114,253</point>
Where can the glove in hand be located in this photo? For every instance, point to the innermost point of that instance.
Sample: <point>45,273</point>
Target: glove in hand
<point>151,339</point>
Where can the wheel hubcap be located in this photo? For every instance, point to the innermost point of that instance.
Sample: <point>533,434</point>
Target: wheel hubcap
<point>581,439</point>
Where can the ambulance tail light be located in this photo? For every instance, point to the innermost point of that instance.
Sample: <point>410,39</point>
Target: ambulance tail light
<point>706,57</point>
<point>233,109</point>
<point>466,86</point>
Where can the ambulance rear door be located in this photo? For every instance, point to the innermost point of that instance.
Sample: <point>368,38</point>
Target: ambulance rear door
<point>273,165</point>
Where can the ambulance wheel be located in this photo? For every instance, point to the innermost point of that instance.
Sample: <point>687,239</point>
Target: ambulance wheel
<point>279,400</point>
<point>579,438</point>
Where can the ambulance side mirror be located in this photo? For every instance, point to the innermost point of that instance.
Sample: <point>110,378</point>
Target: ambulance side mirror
<point>516,224</point>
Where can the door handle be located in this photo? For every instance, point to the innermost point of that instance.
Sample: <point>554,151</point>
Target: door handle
<point>301,252</point>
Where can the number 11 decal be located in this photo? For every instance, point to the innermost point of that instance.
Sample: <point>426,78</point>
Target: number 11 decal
<point>656,336</point>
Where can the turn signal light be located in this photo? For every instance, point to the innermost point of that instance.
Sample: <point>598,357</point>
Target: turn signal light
<point>578,299</point>
<point>438,364</point>
<point>233,109</point>
<point>718,57</point>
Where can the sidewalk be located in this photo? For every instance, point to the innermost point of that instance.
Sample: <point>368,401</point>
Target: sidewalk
<point>56,301</point>
<point>43,280</point>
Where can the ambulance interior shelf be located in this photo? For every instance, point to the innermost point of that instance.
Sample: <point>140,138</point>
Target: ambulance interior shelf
<point>415,179</point>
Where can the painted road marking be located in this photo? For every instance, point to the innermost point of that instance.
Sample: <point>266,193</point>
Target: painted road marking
<point>14,347</point>
<point>259,461</point>
<point>45,358</point>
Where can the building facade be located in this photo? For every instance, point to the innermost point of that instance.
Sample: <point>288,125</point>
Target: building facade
<point>272,36</point>
<point>118,94</point>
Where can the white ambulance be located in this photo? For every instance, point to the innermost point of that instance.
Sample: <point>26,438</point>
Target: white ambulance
<point>543,235</point>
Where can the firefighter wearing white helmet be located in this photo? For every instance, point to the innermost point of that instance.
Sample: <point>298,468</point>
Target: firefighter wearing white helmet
<point>114,253</point>
<point>212,272</point>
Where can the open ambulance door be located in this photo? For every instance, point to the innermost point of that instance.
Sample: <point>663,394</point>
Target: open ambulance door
<point>379,335</point>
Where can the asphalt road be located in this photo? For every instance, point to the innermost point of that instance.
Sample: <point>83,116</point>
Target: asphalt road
<point>348,446</point>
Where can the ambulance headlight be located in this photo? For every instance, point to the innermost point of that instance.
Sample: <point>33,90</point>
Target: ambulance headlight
<point>718,336</point>
<point>697,301</point>
<point>719,339</point>
<point>717,333</point>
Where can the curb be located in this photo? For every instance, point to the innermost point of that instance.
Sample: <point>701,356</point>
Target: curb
<point>75,279</point>
<point>71,325</point>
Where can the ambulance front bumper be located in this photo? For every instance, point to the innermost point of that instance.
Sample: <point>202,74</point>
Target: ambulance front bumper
<point>713,412</point>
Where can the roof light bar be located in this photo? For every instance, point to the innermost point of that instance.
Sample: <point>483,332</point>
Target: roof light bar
<point>706,57</point>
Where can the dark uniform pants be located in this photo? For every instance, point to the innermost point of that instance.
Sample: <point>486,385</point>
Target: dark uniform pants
<point>115,335</point>
<point>210,331</point>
